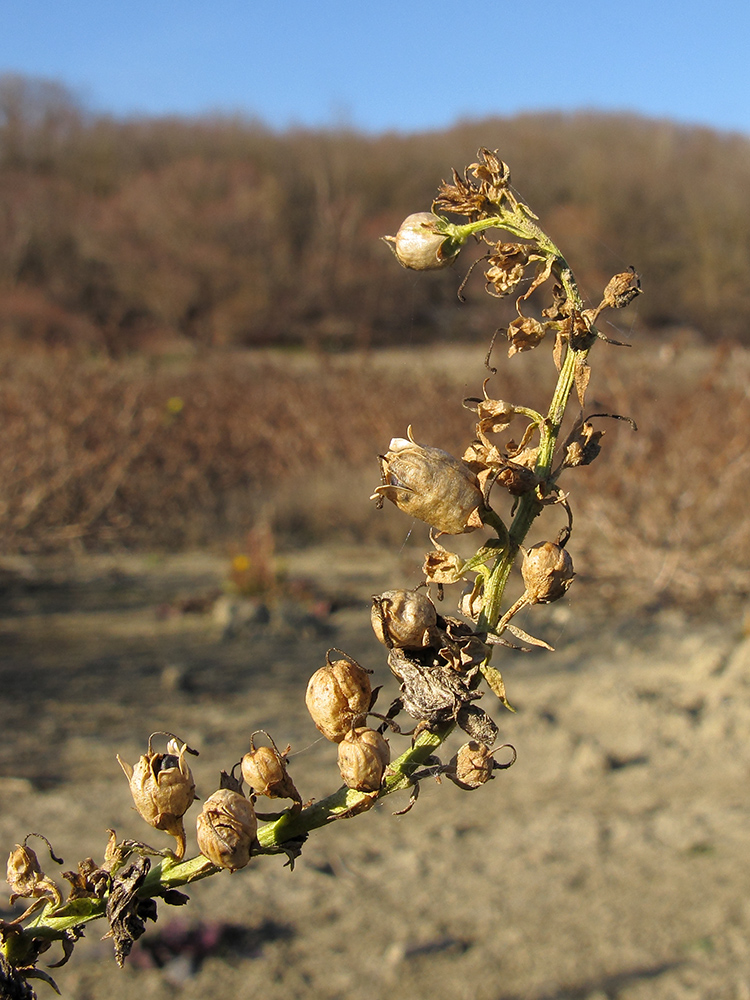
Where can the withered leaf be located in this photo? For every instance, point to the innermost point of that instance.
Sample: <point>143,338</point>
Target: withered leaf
<point>496,684</point>
<point>13,985</point>
<point>126,912</point>
<point>475,721</point>
<point>581,377</point>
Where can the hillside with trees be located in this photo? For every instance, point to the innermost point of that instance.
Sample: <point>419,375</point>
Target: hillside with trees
<point>120,236</point>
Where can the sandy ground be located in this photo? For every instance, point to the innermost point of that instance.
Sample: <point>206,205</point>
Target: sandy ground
<point>611,861</point>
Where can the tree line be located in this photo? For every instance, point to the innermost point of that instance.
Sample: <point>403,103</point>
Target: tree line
<point>124,235</point>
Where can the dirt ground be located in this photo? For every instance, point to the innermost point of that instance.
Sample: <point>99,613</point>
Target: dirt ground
<point>610,861</point>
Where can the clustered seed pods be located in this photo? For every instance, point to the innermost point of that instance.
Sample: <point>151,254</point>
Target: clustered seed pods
<point>226,828</point>
<point>163,789</point>
<point>338,695</point>
<point>429,484</point>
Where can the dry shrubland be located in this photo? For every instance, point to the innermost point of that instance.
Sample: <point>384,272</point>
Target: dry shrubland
<point>123,241</point>
<point>124,235</point>
<point>105,454</point>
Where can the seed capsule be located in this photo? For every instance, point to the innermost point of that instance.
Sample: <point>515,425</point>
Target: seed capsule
<point>337,695</point>
<point>431,485</point>
<point>404,618</point>
<point>471,766</point>
<point>163,789</point>
<point>264,769</point>
<point>419,244</point>
<point>26,878</point>
<point>363,757</point>
<point>547,571</point>
<point>226,829</point>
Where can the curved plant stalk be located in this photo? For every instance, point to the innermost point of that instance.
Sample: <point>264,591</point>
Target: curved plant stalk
<point>453,655</point>
<point>53,923</point>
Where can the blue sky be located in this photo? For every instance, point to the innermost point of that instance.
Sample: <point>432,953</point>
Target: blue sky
<point>408,65</point>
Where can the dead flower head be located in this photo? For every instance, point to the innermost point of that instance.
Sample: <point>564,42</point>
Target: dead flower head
<point>473,765</point>
<point>25,876</point>
<point>506,268</point>
<point>162,787</point>
<point>429,484</point>
<point>525,333</point>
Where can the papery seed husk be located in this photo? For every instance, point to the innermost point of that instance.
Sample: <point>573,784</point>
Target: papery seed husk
<point>419,246</point>
<point>403,618</point>
<point>26,878</point>
<point>364,755</point>
<point>471,766</point>
<point>547,571</point>
<point>264,769</point>
<point>337,695</point>
<point>226,828</point>
<point>163,790</point>
<point>431,485</point>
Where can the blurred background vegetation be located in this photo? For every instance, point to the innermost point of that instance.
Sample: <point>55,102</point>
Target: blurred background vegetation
<point>124,235</point>
<point>200,330</point>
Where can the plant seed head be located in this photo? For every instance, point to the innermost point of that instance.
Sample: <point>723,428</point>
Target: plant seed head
<point>404,618</point>
<point>429,484</point>
<point>364,755</point>
<point>337,695</point>
<point>547,571</point>
<point>622,289</point>
<point>163,789</point>
<point>471,766</point>
<point>264,769</point>
<point>226,828</point>
<point>419,244</point>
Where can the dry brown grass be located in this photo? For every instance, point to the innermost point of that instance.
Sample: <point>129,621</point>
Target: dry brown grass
<point>102,454</point>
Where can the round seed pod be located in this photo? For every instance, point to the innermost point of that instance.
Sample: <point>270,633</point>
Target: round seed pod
<point>429,484</point>
<point>163,789</point>
<point>264,769</point>
<point>337,695</point>
<point>226,829</point>
<point>364,755</point>
<point>403,618</point>
<point>547,571</point>
<point>420,246</point>
<point>471,766</point>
